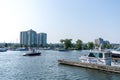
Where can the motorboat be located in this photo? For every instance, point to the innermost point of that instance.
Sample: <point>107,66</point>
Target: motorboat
<point>62,50</point>
<point>21,49</point>
<point>32,53</point>
<point>116,53</point>
<point>97,57</point>
<point>3,49</point>
<point>100,57</point>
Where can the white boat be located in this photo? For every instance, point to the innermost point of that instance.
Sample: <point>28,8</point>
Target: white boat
<point>116,53</point>
<point>32,53</point>
<point>22,49</point>
<point>3,49</point>
<point>99,57</point>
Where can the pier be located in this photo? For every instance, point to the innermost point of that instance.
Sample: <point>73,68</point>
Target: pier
<point>91,66</point>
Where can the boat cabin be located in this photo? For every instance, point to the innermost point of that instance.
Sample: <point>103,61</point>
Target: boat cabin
<point>98,57</point>
<point>103,55</point>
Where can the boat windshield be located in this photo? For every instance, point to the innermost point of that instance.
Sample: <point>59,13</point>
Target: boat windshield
<point>118,49</point>
<point>96,55</point>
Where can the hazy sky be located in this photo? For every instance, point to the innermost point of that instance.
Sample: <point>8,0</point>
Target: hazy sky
<point>60,19</point>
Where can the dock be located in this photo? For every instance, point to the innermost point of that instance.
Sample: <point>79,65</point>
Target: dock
<point>91,66</point>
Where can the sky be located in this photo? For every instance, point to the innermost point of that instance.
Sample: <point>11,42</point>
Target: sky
<point>60,19</point>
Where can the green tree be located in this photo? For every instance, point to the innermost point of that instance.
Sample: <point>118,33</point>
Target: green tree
<point>67,43</point>
<point>85,47</point>
<point>62,41</point>
<point>90,45</point>
<point>107,46</point>
<point>79,44</point>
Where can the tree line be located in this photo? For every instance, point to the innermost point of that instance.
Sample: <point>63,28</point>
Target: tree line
<point>79,45</point>
<point>67,44</point>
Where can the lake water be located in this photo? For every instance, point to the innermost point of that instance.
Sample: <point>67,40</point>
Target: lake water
<point>14,66</point>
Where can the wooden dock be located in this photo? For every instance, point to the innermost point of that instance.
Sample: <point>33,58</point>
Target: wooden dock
<point>91,65</point>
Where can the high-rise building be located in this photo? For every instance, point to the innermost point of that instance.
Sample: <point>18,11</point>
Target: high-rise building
<point>106,42</point>
<point>99,41</point>
<point>42,39</point>
<point>28,38</point>
<point>24,38</point>
<point>31,38</point>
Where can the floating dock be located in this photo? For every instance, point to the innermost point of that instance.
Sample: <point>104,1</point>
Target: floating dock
<point>91,66</point>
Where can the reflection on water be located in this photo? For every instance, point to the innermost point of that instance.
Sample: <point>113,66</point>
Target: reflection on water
<point>14,66</point>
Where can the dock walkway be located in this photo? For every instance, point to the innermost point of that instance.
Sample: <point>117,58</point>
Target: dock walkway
<point>91,65</point>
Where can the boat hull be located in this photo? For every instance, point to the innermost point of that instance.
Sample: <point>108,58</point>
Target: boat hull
<point>32,54</point>
<point>115,54</point>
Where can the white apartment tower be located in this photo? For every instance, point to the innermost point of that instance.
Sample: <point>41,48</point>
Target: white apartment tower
<point>42,39</point>
<point>31,38</point>
<point>28,38</point>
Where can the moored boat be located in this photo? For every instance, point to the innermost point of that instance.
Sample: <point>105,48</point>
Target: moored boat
<point>116,53</point>
<point>21,49</point>
<point>100,57</point>
<point>3,49</point>
<point>97,57</point>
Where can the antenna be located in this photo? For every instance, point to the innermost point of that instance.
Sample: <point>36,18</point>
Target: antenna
<point>100,47</point>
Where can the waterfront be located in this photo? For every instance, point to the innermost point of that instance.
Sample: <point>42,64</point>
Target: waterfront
<point>14,66</point>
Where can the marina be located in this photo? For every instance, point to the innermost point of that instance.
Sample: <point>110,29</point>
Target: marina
<point>46,67</point>
<point>59,40</point>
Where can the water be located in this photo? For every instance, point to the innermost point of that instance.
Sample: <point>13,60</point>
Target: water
<point>14,66</point>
